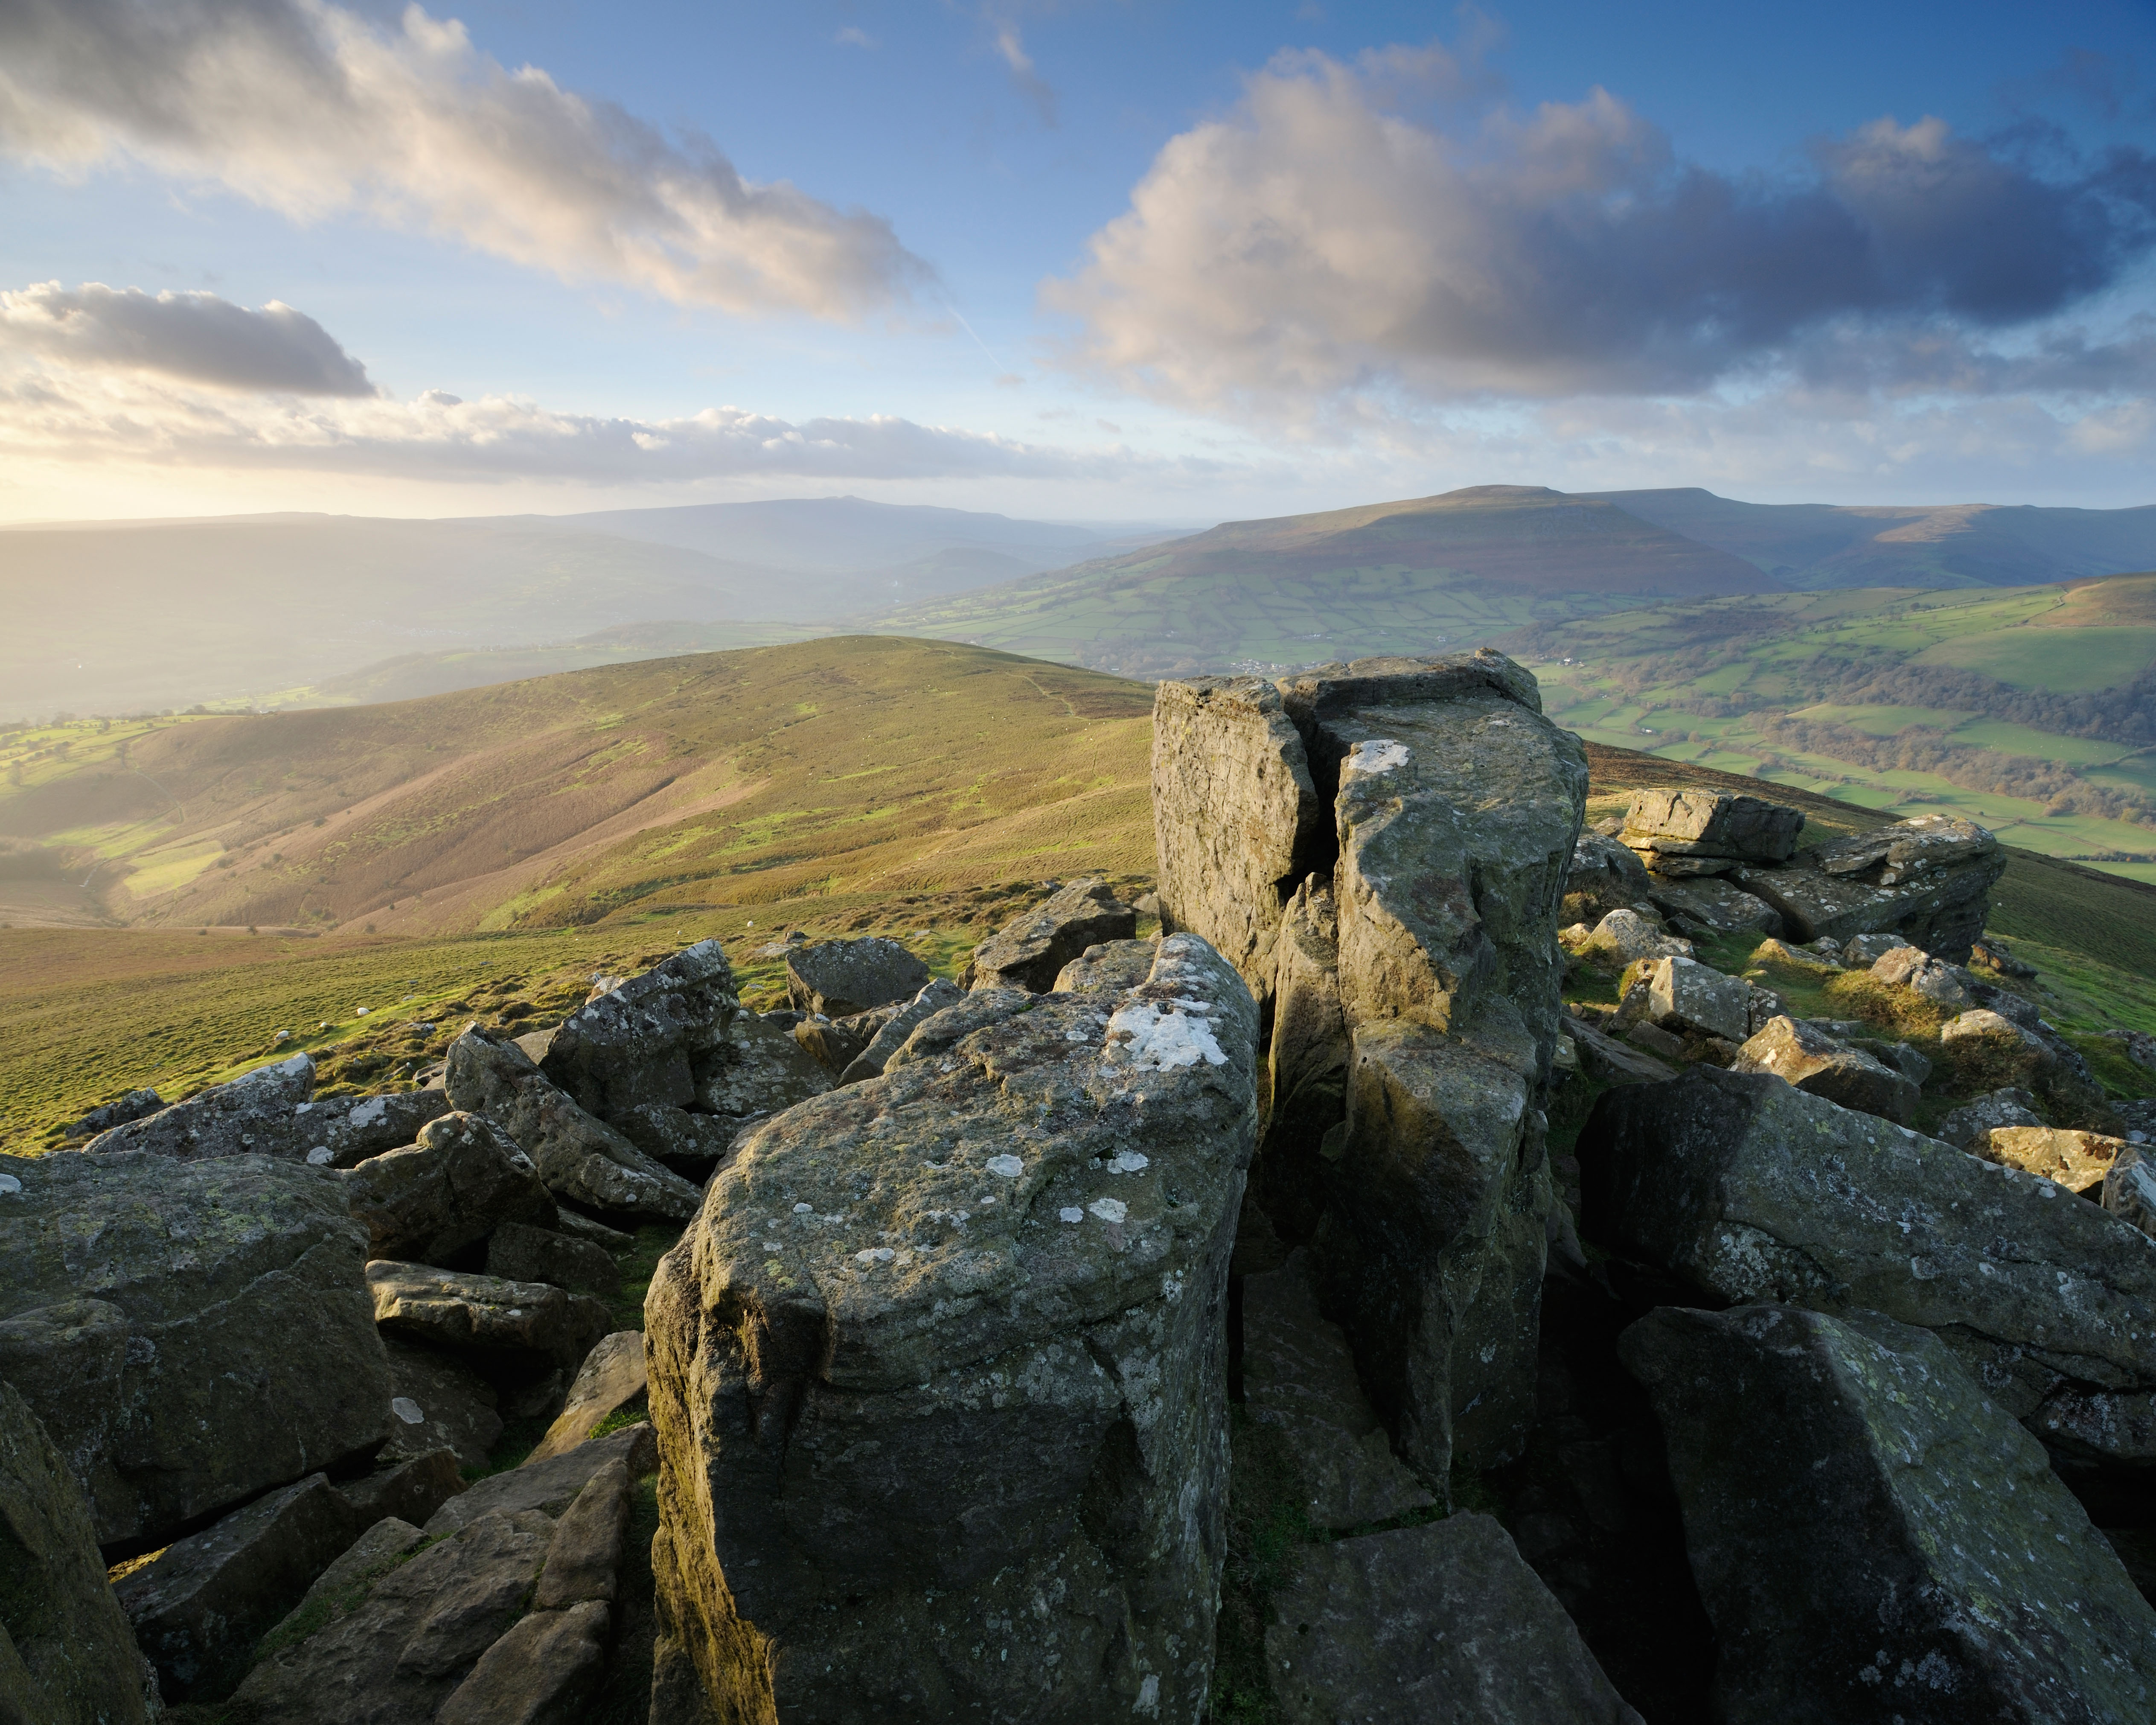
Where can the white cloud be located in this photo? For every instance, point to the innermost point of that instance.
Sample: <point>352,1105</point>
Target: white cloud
<point>197,337</point>
<point>311,109</point>
<point>1318,243</point>
<point>852,36</point>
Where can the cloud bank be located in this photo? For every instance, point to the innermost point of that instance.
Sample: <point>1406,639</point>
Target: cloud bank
<point>1318,241</point>
<point>311,109</point>
<point>197,337</point>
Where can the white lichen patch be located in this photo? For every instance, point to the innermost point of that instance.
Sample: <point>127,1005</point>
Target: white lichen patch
<point>1162,1038</point>
<point>1128,1161</point>
<point>1109,1209</point>
<point>1380,754</point>
<point>1068,1212</point>
<point>1009,1167</point>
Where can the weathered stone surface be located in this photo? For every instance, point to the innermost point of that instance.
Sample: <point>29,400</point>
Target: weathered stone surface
<point>134,1104</point>
<point>1899,1056</point>
<point>224,1120</point>
<point>838,978</point>
<point>578,1156</point>
<point>190,1333</point>
<point>67,1655</point>
<point>1299,1378</point>
<point>1970,1125</point>
<point>644,1041</point>
<point>587,1549</point>
<point>1683,995</point>
<point>551,1486</point>
<point>2007,1050</point>
<point>579,1226</point>
<point>1710,901</point>
<point>517,1253</point>
<point>1692,825</point>
<point>891,1036</point>
<point>343,1130</point>
<point>400,1651</point>
<point>1439,1622</point>
<point>2078,1161</point>
<point>408,1491</point>
<point>1873,1538</point>
<point>1625,936</point>
<point>1750,1190</point>
<point>1927,879</point>
<point>1235,815</point>
<point>1607,1060</point>
<point>198,1610</point>
<point>1798,1052</point>
<point>2129,1189</point>
<point>611,1377</point>
<point>443,1195</point>
<point>1114,965</point>
<point>935,1036</point>
<point>437,1401</point>
<point>764,1070</point>
<point>366,1559</point>
<point>833,1046</point>
<point>482,1317</point>
<point>689,1144</point>
<point>1027,952</point>
<point>988,1291</point>
<point>1912,967</point>
<point>1308,1066</point>
<point>1604,876</point>
<point>542,1672</point>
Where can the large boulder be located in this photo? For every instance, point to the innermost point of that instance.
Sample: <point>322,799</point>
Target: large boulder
<point>268,1112</point>
<point>1968,1127</point>
<point>1713,904</point>
<point>516,1252</point>
<point>67,1655</point>
<point>949,1343</point>
<point>443,1195</point>
<point>1798,1052</point>
<point>1027,952</point>
<point>765,1070</point>
<point>192,1334</point>
<point>1913,969</point>
<point>578,1156</point>
<point>492,1323</point>
<point>648,1040</point>
<point>891,1036</point>
<point>1750,1190</point>
<point>1439,1622</point>
<point>1873,1538</point>
<point>1683,995</point>
<point>2078,1161</point>
<point>438,1402</point>
<point>839,979</point>
<point>1701,832</point>
<point>1604,876</point>
<point>1927,879</point>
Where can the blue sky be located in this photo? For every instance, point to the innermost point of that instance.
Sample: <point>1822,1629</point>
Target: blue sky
<point>1092,261</point>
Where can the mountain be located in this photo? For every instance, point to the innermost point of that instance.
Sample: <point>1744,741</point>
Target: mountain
<point>1810,546</point>
<point>1403,577</point>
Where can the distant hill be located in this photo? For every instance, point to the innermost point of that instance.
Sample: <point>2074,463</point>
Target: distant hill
<point>1403,576</point>
<point>1810,546</point>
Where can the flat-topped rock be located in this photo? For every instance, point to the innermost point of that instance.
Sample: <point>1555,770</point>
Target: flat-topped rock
<point>838,978</point>
<point>988,1287</point>
<point>1030,950</point>
<point>647,1039</point>
<point>483,1317</point>
<point>1798,1052</point>
<point>443,1195</point>
<point>1928,881</point>
<point>1681,831</point>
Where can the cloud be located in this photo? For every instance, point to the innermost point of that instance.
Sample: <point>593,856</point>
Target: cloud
<point>197,337</point>
<point>1387,227</point>
<point>1010,45</point>
<point>311,109</point>
<point>853,36</point>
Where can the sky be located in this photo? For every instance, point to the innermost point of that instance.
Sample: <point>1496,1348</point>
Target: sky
<point>1115,261</point>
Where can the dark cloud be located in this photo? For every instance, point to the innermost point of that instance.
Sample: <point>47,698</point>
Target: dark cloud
<point>197,336</point>
<point>1318,241</point>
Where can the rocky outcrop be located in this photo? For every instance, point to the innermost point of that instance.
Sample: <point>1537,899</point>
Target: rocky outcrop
<point>268,1112</point>
<point>649,1040</point>
<point>1308,1065</point>
<point>1750,1190</point>
<point>765,1070</point>
<point>610,1378</point>
<point>2129,1189</point>
<point>950,1341</point>
<point>2077,1161</point>
<point>579,1157</point>
<point>437,1401</point>
<point>1707,903</point>
<point>1028,952</point>
<point>440,1197</point>
<point>1604,876</point>
<point>1873,1538</point>
<point>516,1324</point>
<point>1970,1125</point>
<point>190,1333</point>
<point>892,1035</point>
<point>1927,879</point>
<point>1799,1053</point>
<point>1681,832</point>
<point>516,1252</point>
<point>1442,1621</point>
<point>67,1655</point>
<point>839,979</point>
<point>1681,994</point>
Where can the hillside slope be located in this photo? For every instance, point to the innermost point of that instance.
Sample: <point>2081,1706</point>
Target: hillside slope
<point>1400,578</point>
<point>733,778</point>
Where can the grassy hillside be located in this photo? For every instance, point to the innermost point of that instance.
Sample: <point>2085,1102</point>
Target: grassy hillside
<point>2031,710</point>
<point>1391,578</point>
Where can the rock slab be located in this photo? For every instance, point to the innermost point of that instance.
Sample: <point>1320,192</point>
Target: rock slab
<point>1028,952</point>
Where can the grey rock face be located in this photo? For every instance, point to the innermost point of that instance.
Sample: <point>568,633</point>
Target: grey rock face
<point>1028,952</point>
<point>1927,879</point>
<point>1604,876</point>
<point>192,1334</point>
<point>542,1672</point>
<point>1873,1538</point>
<point>224,1120</point>
<point>1235,815</point>
<point>937,1036</point>
<point>198,1610</point>
<point>1442,1621</point>
<point>587,1548</point>
<point>462,1179</point>
<point>1912,967</point>
<point>1971,1124</point>
<point>344,1131</point>
<point>548,1486</point>
<point>136,1105</point>
<point>66,1652</point>
<point>611,1376</point>
<point>648,1040</point>
<point>1115,965</point>
<point>1683,995</point>
<point>1752,1191</point>
<point>688,1143</point>
<point>987,1289</point>
<point>764,1070</point>
<point>1714,903</point>
<point>2129,1189</point>
<point>437,1401</point>
<point>410,1490</point>
<point>1799,1053</point>
<point>579,1157</point>
<point>483,1317</point>
<point>1299,1378</point>
<point>517,1253</point>
<point>1698,826</point>
<point>1607,1060</point>
<point>839,979</point>
<point>891,1036</point>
